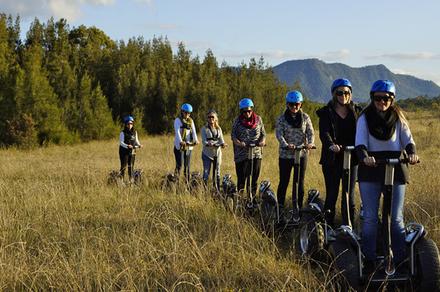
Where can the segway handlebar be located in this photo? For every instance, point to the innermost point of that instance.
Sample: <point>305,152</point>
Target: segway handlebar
<point>299,147</point>
<point>216,145</point>
<point>253,145</point>
<point>393,161</point>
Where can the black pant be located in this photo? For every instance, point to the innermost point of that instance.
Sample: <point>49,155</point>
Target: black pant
<point>243,169</point>
<point>332,176</point>
<point>186,156</point>
<point>285,166</point>
<point>127,159</point>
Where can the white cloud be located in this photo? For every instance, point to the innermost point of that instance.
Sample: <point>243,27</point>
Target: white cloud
<point>29,9</point>
<point>148,2</point>
<point>336,55</point>
<point>67,9</point>
<point>407,56</point>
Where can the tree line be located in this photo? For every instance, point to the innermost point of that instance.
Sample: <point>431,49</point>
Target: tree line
<point>63,85</point>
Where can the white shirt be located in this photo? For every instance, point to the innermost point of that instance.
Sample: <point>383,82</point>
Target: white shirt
<point>178,134</point>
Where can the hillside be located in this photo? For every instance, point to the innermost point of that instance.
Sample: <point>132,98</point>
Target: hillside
<point>316,77</point>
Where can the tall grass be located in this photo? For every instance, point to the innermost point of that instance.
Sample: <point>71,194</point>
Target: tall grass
<point>62,227</point>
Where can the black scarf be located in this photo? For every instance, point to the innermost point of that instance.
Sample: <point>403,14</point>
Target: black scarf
<point>381,125</point>
<point>129,135</point>
<point>294,120</point>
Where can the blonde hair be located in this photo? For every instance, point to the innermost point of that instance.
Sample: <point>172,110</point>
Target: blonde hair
<point>213,113</point>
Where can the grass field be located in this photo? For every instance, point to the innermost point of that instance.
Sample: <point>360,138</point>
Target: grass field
<point>62,227</point>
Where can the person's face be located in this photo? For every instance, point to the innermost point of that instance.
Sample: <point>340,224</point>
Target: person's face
<point>130,125</point>
<point>247,112</point>
<point>294,107</point>
<point>185,114</point>
<point>343,94</point>
<point>382,100</point>
<point>211,119</point>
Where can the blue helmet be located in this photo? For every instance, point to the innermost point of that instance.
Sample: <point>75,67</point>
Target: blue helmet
<point>384,86</point>
<point>128,119</point>
<point>341,82</point>
<point>187,107</point>
<point>245,103</point>
<point>294,97</point>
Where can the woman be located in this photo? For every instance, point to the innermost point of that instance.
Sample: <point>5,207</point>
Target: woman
<point>248,130</point>
<point>293,128</point>
<point>337,129</point>
<point>212,140</point>
<point>382,132</point>
<point>128,142</point>
<point>185,137</point>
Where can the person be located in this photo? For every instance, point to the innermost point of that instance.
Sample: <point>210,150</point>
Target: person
<point>248,129</point>
<point>382,132</point>
<point>293,128</point>
<point>212,140</point>
<point>185,136</point>
<point>128,142</point>
<point>337,129</point>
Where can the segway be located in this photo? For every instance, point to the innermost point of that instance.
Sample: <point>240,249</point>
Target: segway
<point>311,219</point>
<point>294,221</point>
<point>214,164</point>
<point>269,208</point>
<point>230,193</point>
<point>421,269</point>
<point>251,204</point>
<point>184,152</point>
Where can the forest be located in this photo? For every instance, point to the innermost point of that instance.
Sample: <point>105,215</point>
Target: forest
<point>65,85</point>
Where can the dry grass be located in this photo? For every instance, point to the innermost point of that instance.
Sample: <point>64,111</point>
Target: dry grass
<point>62,227</point>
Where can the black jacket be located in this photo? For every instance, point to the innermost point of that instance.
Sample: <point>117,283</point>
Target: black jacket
<point>328,131</point>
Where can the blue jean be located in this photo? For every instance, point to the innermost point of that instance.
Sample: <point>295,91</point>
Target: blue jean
<point>207,162</point>
<point>370,194</point>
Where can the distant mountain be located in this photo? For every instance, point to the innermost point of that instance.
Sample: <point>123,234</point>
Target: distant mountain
<point>315,78</point>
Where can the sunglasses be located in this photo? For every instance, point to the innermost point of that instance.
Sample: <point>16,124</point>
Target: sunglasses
<point>342,92</point>
<point>384,98</point>
<point>293,104</point>
<point>211,117</point>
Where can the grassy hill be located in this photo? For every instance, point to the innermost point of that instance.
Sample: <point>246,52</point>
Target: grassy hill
<point>62,227</point>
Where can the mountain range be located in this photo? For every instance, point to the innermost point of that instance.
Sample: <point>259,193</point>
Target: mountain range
<point>315,78</point>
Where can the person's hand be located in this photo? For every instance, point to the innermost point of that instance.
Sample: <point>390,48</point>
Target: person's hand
<point>291,146</point>
<point>129,146</point>
<point>310,146</point>
<point>242,144</point>
<point>224,145</point>
<point>369,161</point>
<point>140,146</point>
<point>413,158</point>
<point>262,143</point>
<point>335,148</point>
<point>209,143</point>
<point>196,143</point>
<point>182,143</point>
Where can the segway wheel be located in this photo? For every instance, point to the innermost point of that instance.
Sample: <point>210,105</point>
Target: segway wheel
<point>311,240</point>
<point>346,265</point>
<point>428,265</point>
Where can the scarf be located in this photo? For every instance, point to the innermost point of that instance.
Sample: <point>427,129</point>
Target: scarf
<point>186,127</point>
<point>250,123</point>
<point>295,120</point>
<point>381,125</point>
<point>129,135</point>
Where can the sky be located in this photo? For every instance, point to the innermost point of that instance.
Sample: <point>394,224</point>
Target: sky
<point>400,34</point>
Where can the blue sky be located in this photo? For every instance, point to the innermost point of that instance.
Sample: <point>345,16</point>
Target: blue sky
<point>402,35</point>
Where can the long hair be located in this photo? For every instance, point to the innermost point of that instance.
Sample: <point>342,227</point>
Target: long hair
<point>394,107</point>
<point>214,114</point>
